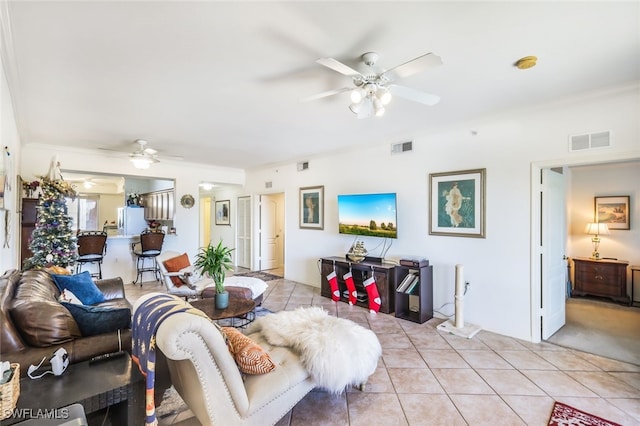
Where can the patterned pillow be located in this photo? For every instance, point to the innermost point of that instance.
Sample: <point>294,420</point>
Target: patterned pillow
<point>249,356</point>
<point>175,264</point>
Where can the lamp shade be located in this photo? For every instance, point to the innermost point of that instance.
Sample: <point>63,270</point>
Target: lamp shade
<point>596,229</point>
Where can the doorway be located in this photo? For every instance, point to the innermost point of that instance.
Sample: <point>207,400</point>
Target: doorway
<point>585,324</point>
<point>271,233</point>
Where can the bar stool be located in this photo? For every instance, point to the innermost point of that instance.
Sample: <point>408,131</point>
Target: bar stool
<point>150,248</point>
<point>92,246</point>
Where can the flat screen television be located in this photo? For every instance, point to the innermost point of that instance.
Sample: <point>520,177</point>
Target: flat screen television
<point>370,215</point>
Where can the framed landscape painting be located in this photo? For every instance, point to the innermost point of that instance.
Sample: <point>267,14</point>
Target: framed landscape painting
<point>312,207</point>
<point>456,203</point>
<point>614,211</point>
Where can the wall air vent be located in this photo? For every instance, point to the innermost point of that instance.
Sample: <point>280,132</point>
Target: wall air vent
<point>268,184</point>
<point>589,141</point>
<point>399,148</point>
<point>304,165</point>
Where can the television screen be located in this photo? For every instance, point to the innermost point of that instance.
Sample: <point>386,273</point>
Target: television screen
<point>372,215</point>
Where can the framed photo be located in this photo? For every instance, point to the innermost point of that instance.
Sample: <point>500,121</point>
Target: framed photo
<point>223,212</point>
<point>312,207</point>
<point>456,203</point>
<point>614,211</point>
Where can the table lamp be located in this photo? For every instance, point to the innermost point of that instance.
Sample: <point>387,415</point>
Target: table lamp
<point>596,229</point>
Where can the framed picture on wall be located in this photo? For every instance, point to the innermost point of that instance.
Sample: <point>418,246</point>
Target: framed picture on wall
<point>614,211</point>
<point>312,207</point>
<point>223,212</point>
<point>456,203</point>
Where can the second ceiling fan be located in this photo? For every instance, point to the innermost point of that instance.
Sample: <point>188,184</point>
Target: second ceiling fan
<point>374,89</point>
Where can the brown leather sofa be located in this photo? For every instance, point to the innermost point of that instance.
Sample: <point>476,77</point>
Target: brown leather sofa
<point>34,324</point>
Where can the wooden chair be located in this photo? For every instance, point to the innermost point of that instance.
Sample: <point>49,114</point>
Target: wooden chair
<point>92,247</point>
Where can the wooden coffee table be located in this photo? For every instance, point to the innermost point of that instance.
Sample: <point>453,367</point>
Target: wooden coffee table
<point>239,313</point>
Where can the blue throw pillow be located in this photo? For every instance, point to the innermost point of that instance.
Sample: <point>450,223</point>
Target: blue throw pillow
<point>81,285</point>
<point>93,320</point>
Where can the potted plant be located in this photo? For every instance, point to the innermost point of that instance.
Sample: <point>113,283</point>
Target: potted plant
<point>215,261</point>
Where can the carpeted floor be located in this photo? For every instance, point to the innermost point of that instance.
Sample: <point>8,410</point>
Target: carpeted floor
<point>602,328</point>
<point>264,276</point>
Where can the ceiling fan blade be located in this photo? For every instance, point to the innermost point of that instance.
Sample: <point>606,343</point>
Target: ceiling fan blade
<point>338,67</point>
<point>414,95</point>
<point>413,66</point>
<point>150,151</point>
<point>326,94</point>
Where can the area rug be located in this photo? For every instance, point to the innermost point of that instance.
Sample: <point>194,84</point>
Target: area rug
<point>264,276</point>
<point>565,415</point>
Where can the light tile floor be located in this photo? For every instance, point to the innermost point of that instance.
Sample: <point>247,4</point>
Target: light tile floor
<point>426,377</point>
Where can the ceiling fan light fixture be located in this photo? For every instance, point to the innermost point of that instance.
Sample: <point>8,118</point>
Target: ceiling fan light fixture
<point>384,95</point>
<point>357,95</point>
<point>141,163</point>
<point>378,107</point>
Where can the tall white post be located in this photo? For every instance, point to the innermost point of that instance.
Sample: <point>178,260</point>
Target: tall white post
<point>459,297</point>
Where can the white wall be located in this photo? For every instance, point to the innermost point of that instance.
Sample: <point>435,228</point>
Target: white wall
<point>498,267</point>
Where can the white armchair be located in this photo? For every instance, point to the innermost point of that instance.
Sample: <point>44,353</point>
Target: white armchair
<point>193,285</point>
<point>207,378</point>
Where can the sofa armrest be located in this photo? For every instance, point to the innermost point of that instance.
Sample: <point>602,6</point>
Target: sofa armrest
<point>112,288</point>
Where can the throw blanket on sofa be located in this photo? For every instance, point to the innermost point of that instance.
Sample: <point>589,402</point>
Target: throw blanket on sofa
<point>337,352</point>
<point>147,318</point>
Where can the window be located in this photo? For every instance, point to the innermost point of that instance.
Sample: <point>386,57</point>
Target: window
<point>84,212</point>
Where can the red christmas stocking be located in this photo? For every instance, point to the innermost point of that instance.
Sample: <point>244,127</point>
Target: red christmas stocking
<point>348,279</point>
<point>333,284</point>
<point>374,296</point>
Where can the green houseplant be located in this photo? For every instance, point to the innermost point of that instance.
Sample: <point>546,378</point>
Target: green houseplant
<point>215,261</point>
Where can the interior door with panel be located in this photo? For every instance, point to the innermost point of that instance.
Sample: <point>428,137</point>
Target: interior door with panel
<point>553,242</point>
<point>268,232</point>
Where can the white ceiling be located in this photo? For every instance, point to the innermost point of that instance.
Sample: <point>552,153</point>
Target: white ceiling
<point>221,82</point>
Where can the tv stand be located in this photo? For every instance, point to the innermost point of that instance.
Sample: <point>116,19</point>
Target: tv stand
<point>383,273</point>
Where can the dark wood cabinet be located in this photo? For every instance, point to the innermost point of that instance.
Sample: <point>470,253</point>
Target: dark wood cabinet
<point>383,274</point>
<point>28,224</point>
<point>604,278</point>
<point>415,305</point>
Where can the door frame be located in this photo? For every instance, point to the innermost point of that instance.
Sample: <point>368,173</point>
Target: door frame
<point>535,280</point>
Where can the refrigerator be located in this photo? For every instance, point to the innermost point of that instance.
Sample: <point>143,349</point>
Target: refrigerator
<point>131,221</point>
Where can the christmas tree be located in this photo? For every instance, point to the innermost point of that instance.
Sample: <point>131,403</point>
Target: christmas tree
<point>53,242</point>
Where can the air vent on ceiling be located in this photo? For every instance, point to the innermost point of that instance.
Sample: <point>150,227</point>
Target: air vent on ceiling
<point>304,165</point>
<point>589,141</point>
<point>399,148</point>
<point>268,184</point>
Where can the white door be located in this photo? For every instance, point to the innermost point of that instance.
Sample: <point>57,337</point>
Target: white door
<point>243,250</point>
<point>554,264</point>
<point>268,232</point>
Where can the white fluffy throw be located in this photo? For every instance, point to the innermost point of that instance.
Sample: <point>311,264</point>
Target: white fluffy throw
<point>337,352</point>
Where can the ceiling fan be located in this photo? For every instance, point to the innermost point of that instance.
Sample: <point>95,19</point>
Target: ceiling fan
<point>374,89</point>
<point>143,157</point>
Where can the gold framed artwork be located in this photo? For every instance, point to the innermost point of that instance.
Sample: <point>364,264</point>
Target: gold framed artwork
<point>612,210</point>
<point>457,203</point>
<point>312,207</point>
